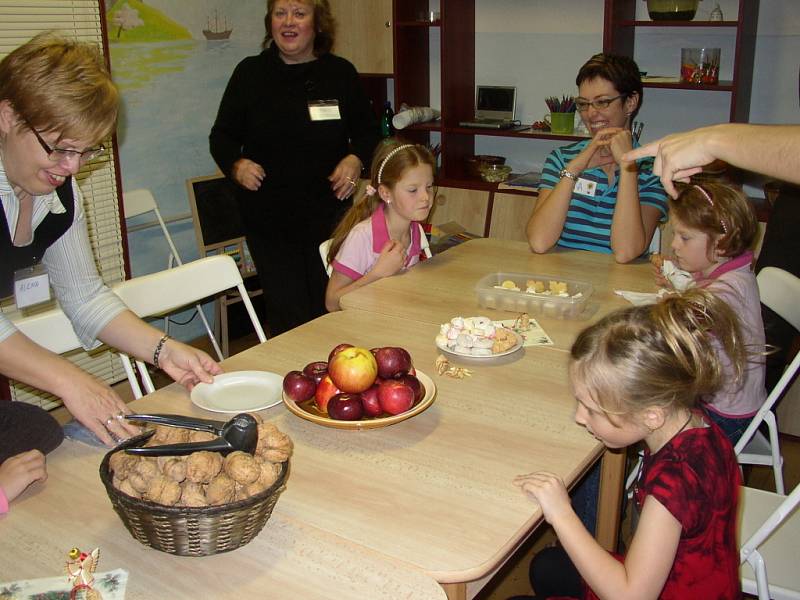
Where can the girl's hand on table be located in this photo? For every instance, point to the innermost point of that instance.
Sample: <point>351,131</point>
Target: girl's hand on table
<point>95,405</point>
<point>391,259</point>
<point>344,178</point>
<point>248,174</point>
<point>187,365</point>
<point>549,491</point>
<point>21,470</point>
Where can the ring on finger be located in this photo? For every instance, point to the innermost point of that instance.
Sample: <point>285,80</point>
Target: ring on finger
<point>109,422</point>
<point>120,415</point>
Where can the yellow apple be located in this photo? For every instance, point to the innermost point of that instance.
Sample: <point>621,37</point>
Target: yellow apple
<point>353,369</point>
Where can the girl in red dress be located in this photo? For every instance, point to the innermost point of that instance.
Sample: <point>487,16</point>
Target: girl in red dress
<point>638,374</point>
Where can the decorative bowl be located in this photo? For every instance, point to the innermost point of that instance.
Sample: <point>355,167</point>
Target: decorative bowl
<point>495,173</point>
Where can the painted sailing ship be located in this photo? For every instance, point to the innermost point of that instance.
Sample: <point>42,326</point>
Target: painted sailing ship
<point>216,32</point>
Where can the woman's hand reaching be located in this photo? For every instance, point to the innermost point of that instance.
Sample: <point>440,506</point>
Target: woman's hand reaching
<point>187,365</point>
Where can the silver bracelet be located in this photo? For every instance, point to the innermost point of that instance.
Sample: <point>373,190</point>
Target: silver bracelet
<point>564,173</point>
<point>159,348</point>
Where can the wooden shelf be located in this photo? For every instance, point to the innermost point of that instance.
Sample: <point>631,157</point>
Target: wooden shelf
<point>722,86</point>
<point>510,133</point>
<point>629,23</point>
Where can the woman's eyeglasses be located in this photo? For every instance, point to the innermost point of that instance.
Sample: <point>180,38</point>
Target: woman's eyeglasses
<point>600,104</point>
<point>60,154</point>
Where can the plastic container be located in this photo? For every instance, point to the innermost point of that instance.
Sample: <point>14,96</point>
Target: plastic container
<point>535,305</point>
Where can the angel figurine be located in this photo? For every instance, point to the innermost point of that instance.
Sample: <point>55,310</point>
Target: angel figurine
<point>80,574</point>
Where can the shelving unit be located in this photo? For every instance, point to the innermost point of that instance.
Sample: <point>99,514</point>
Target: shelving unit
<point>619,37</point>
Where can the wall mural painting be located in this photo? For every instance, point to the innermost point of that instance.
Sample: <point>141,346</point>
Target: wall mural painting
<point>171,60</point>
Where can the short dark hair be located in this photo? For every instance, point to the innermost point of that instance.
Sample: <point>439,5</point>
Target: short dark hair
<point>621,71</point>
<point>324,26</point>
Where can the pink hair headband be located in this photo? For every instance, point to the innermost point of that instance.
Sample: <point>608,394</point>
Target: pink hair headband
<point>711,202</point>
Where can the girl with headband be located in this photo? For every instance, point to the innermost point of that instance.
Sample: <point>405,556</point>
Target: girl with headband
<point>381,234</point>
<point>715,230</point>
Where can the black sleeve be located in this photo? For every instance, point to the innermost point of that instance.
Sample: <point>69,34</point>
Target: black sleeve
<point>227,133</point>
<point>362,124</point>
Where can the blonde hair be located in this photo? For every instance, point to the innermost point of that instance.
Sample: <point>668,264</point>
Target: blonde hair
<point>60,85</point>
<point>661,355</point>
<point>392,159</point>
<point>727,218</point>
<point>324,25</point>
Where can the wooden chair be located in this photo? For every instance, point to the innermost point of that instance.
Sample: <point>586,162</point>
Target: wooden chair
<point>780,291</point>
<point>140,202</point>
<point>169,290</point>
<point>769,531</point>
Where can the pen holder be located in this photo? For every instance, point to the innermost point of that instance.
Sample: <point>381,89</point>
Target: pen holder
<point>561,122</point>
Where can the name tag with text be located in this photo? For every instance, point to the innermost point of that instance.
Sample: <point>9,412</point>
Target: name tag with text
<point>585,187</point>
<point>324,110</point>
<point>31,286</point>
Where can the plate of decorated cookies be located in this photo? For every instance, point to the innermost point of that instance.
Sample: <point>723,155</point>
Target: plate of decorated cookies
<point>477,337</point>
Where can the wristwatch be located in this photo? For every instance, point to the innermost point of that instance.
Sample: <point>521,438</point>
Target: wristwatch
<point>564,173</point>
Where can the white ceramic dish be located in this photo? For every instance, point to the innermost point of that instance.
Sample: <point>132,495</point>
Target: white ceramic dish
<point>239,391</point>
<point>511,350</point>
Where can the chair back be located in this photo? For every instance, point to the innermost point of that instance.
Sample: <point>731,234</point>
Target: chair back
<point>50,329</point>
<point>780,291</point>
<point>323,254</point>
<point>169,290</point>
<point>769,527</point>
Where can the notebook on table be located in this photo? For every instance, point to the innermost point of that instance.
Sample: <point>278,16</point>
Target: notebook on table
<point>495,106</point>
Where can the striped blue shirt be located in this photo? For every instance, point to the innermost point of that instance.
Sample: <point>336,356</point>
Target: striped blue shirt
<point>588,223</point>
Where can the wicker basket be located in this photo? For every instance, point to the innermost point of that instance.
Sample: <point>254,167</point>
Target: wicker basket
<point>189,531</point>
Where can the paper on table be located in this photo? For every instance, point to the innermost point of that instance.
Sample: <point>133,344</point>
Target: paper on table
<point>111,584</point>
<point>641,298</point>
<point>534,335</point>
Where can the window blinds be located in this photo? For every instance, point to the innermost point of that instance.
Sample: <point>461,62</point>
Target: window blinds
<point>20,20</point>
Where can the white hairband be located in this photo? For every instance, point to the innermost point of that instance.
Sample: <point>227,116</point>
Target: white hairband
<point>388,156</point>
<point>711,202</point>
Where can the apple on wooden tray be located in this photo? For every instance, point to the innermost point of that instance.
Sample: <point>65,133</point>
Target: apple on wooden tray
<point>356,384</point>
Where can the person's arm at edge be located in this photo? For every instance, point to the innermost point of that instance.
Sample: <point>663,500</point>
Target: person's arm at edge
<point>550,211</point>
<point>227,132</point>
<point>340,284</point>
<point>772,150</point>
<point>633,224</point>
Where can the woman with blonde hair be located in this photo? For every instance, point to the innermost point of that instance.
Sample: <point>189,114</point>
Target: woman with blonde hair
<point>57,105</point>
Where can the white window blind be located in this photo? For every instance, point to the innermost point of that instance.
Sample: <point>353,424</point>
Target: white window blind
<point>20,20</point>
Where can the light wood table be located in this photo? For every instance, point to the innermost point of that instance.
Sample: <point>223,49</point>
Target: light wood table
<point>288,559</point>
<point>443,287</point>
<point>434,491</point>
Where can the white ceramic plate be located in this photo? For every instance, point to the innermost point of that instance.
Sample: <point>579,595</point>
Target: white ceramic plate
<point>511,350</point>
<point>239,391</point>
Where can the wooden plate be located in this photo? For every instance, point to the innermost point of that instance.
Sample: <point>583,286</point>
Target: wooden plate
<point>307,410</point>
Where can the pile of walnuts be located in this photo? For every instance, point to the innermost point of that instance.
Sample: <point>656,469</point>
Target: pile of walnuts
<point>201,478</point>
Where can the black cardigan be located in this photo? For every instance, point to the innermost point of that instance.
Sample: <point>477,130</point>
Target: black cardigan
<point>264,116</point>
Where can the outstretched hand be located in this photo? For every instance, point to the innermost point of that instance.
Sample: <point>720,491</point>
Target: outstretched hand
<point>21,470</point>
<point>187,365</point>
<point>677,157</point>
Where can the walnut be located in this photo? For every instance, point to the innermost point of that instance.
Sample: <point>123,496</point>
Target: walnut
<point>201,436</point>
<point>241,467</point>
<point>264,431</point>
<point>168,435</point>
<point>163,490</point>
<point>192,494</point>
<point>147,467</point>
<point>202,467</point>
<point>277,446</point>
<point>138,482</point>
<point>269,473</point>
<point>173,467</point>
<point>221,490</point>
<point>126,488</point>
<point>121,463</point>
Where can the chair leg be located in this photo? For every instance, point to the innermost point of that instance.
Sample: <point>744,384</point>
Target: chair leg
<point>777,459</point>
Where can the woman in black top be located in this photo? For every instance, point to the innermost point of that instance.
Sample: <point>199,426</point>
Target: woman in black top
<point>294,129</point>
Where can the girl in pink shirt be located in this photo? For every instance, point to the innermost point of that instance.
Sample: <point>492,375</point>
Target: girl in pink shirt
<point>715,229</point>
<point>380,235</point>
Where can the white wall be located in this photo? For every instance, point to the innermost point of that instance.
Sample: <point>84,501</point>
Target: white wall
<point>539,46</point>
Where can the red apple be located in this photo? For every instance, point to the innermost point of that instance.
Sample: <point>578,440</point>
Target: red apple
<point>325,391</point>
<point>415,384</point>
<point>345,407</point>
<point>395,397</point>
<point>338,349</point>
<point>369,398</point>
<point>353,369</point>
<point>299,386</point>
<point>392,361</point>
<point>316,370</point>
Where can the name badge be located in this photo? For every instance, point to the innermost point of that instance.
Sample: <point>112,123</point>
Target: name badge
<point>324,110</point>
<point>585,187</point>
<point>31,286</point>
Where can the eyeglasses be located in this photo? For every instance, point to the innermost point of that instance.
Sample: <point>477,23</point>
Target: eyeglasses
<point>60,154</point>
<point>583,105</point>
